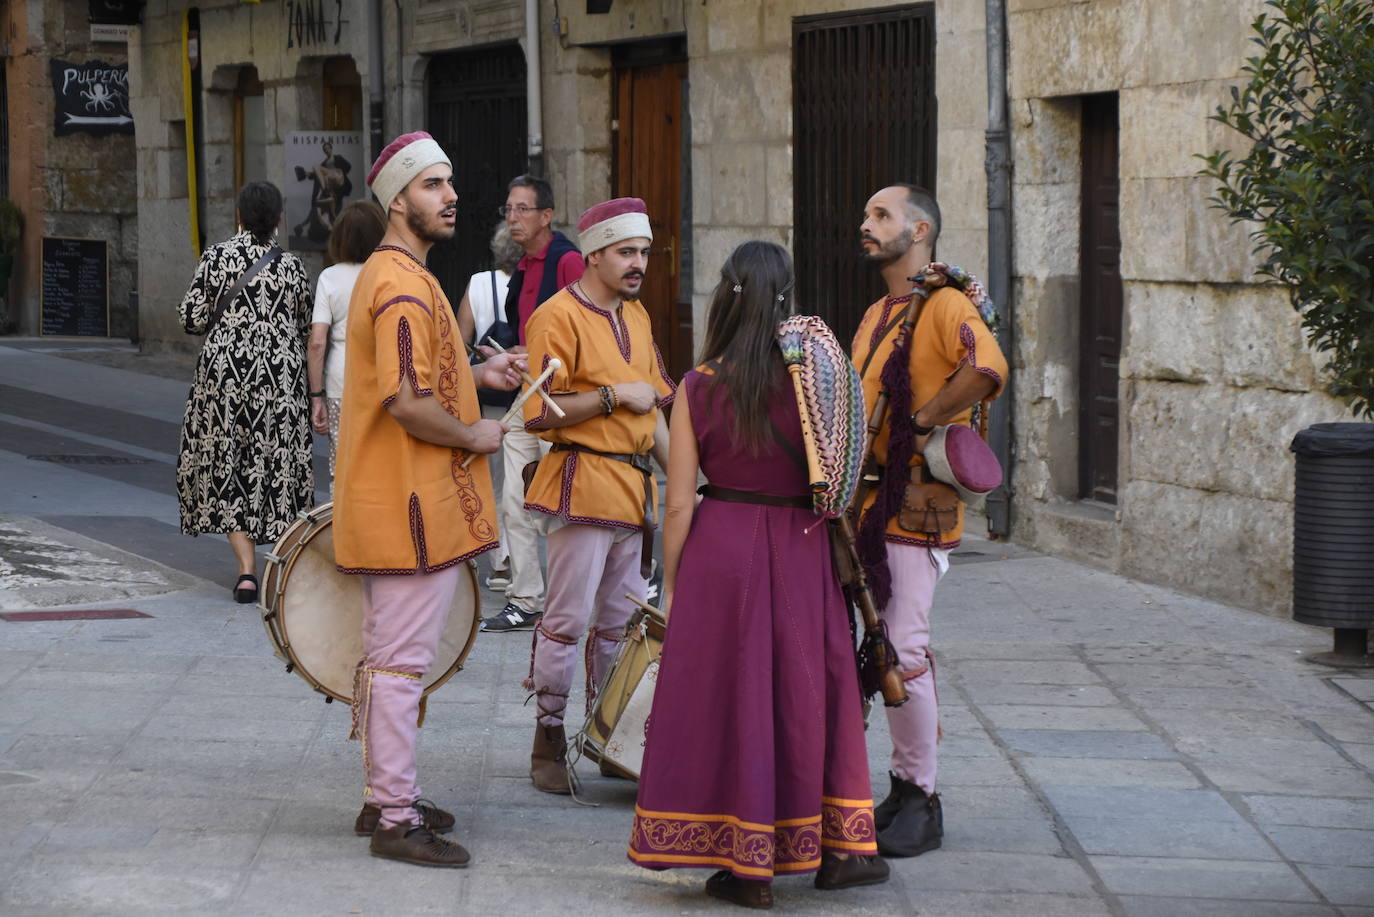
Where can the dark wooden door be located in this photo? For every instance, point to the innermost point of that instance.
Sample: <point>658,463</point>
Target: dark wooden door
<point>863,117</point>
<point>648,114</point>
<point>477,114</point>
<point>1100,326</point>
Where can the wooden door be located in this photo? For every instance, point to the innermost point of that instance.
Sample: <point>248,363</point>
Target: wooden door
<point>1099,339</point>
<point>648,164</point>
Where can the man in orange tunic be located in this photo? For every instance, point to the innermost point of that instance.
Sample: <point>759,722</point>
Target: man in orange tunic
<point>954,364</point>
<point>406,513</point>
<point>595,484</point>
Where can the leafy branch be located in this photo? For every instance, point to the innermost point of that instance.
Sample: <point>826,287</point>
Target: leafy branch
<point>1307,179</point>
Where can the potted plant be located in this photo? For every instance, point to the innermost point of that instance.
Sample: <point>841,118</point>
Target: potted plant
<point>1306,182</point>
<point>11,228</point>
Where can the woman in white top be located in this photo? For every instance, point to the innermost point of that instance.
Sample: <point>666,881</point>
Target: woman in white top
<point>357,231</point>
<point>483,305</point>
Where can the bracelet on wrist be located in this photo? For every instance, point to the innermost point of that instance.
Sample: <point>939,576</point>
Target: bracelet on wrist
<point>607,405</point>
<point>918,429</point>
<point>319,394</point>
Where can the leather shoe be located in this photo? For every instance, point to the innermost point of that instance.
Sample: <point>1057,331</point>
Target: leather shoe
<point>433,817</point>
<point>916,827</point>
<point>411,843</point>
<point>885,811</point>
<point>726,886</point>
<point>847,872</point>
<point>549,760</point>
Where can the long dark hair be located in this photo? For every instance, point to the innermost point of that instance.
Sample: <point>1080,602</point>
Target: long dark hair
<point>754,294</point>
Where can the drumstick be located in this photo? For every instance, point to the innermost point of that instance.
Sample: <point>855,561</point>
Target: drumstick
<point>520,399</point>
<point>643,604</point>
<point>548,399</point>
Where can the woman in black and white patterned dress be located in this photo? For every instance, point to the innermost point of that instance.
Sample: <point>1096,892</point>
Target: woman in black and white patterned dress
<point>244,468</point>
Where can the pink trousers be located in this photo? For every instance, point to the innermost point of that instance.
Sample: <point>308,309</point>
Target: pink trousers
<point>403,619</point>
<point>915,724</point>
<point>589,574</point>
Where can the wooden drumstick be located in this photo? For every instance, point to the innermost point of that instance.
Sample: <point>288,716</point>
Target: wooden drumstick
<point>643,604</point>
<point>525,377</point>
<point>520,399</point>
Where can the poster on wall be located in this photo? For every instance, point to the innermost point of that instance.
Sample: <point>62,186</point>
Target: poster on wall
<point>324,173</point>
<point>91,97</point>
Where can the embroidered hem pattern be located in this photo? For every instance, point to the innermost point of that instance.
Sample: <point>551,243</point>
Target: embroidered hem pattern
<point>667,839</point>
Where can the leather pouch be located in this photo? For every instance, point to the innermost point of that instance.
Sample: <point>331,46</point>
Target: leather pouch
<point>527,474</point>
<point>928,507</point>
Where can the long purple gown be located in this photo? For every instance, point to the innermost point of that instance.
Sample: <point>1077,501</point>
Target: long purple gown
<point>755,759</point>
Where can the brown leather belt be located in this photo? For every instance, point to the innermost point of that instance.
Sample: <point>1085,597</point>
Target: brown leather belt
<point>640,462</point>
<point>728,495</point>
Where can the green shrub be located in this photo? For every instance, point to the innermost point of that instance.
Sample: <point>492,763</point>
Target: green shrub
<point>1307,179</point>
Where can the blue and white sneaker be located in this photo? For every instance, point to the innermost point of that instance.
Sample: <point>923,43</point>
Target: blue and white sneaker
<point>512,617</point>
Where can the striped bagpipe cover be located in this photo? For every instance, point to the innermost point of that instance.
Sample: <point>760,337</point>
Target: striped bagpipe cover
<point>834,401</point>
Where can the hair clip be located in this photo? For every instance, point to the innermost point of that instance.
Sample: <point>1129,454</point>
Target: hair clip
<point>781,297</point>
<point>739,289</point>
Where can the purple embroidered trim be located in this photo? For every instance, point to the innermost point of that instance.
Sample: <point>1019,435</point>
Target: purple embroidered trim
<point>396,248</point>
<point>407,367</point>
<point>382,571</point>
<point>888,303</point>
<point>622,341</point>
<point>584,520</point>
<point>967,338</point>
<point>547,386</point>
<point>663,374</point>
<point>395,299</point>
<point>921,543</point>
<point>417,532</point>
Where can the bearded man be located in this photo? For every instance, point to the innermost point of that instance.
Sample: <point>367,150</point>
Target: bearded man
<point>595,486</point>
<point>954,364</point>
<point>407,514</point>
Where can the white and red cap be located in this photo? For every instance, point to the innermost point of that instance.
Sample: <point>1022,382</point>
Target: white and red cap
<point>611,222</point>
<point>403,159</point>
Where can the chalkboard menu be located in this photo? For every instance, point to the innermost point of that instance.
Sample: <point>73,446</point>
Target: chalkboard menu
<point>76,287</point>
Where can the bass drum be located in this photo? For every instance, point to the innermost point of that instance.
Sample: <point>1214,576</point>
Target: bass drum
<point>314,614</point>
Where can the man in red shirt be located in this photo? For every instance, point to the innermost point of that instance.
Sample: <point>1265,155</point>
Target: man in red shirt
<point>551,262</point>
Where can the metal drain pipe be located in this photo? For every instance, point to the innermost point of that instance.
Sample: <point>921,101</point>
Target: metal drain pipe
<point>534,104</point>
<point>997,162</point>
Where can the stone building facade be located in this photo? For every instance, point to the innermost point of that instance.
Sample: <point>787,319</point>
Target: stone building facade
<point>76,185</point>
<point>1161,454</point>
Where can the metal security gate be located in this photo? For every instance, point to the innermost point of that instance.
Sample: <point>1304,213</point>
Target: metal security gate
<point>863,116</point>
<point>477,113</point>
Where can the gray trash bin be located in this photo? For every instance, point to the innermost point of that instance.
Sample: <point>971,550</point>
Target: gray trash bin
<point>1333,535</point>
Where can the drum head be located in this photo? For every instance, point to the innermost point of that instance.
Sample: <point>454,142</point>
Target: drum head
<point>320,616</point>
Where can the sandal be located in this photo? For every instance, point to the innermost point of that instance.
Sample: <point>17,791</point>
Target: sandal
<point>726,886</point>
<point>246,595</point>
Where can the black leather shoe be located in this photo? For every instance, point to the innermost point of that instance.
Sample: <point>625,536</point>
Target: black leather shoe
<point>916,827</point>
<point>847,872</point>
<point>726,886</point>
<point>885,811</point>
<point>246,595</point>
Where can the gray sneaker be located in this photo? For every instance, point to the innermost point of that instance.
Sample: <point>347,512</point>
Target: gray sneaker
<point>512,617</point>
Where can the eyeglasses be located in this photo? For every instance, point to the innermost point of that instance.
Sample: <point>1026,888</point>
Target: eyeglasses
<point>520,210</point>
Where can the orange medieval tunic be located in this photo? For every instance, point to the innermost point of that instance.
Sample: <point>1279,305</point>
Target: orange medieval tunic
<point>577,486</point>
<point>949,333</point>
<point>403,505</point>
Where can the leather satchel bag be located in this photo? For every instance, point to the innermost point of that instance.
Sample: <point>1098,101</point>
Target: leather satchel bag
<point>928,506</point>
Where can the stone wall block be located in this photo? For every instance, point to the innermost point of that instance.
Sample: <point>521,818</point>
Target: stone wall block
<point>1045,230</point>
<point>100,190</point>
<point>779,186</point>
<point>739,182</point>
<point>1047,321</point>
<point>1218,249</point>
<point>1154,230</point>
<point>967,248</point>
<point>736,97</point>
<point>734,27</point>
<point>128,240</point>
<point>961,183</point>
<point>1066,49</point>
<point>961,81</point>
<point>1258,434</point>
<point>713,244</point>
<point>1193,41</point>
<point>1177,432</point>
<point>959,16</point>
<point>1046,139</point>
<point>702,187</point>
<point>52,189</point>
<point>1173,332</point>
<point>1161,530</point>
<point>1265,345</point>
<point>1165,128</point>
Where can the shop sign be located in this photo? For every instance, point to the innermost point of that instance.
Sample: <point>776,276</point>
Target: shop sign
<point>91,97</point>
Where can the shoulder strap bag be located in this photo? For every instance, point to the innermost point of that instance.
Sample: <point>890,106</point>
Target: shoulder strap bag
<point>233,292</point>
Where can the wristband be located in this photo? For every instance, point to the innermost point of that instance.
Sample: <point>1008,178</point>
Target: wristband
<point>319,394</point>
<point>920,430</point>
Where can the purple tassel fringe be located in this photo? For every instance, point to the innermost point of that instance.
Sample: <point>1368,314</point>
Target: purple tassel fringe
<point>901,445</point>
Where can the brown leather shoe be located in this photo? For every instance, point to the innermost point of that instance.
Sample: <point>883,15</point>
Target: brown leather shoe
<point>434,818</point>
<point>411,843</point>
<point>847,872</point>
<point>726,886</point>
<point>549,760</point>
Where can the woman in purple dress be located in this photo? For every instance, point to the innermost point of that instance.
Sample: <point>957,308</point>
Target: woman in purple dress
<point>755,761</point>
